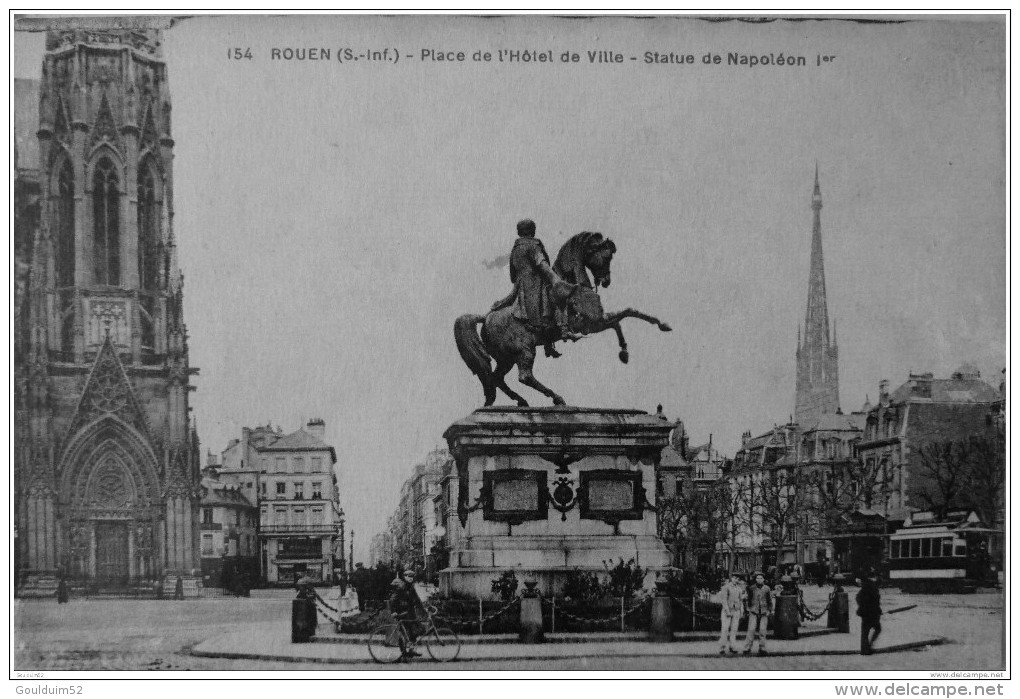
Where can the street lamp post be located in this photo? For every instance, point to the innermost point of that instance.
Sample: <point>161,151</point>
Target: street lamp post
<point>343,566</point>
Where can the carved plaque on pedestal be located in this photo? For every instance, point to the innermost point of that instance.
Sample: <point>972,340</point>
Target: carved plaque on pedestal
<point>606,495</point>
<point>518,494</point>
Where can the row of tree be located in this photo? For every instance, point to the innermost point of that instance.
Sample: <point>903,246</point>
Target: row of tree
<point>775,507</point>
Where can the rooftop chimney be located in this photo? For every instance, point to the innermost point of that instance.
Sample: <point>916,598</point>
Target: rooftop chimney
<point>317,428</point>
<point>920,384</point>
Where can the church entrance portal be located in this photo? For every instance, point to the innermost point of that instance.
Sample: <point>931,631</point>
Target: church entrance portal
<point>112,556</point>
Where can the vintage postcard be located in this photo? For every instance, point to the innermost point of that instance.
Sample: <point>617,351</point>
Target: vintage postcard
<point>360,343</point>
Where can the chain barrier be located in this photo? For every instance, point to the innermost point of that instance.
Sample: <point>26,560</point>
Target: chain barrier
<point>458,624</point>
<point>694,610</point>
<point>600,620</point>
<point>321,607</point>
<point>806,613</point>
<point>323,602</point>
<point>325,608</point>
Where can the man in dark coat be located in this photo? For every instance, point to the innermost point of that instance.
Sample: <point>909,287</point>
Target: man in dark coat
<point>538,291</point>
<point>360,583</point>
<point>404,604</point>
<point>869,610</point>
<point>758,606</point>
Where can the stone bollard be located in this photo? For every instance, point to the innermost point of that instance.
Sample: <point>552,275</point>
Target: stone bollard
<point>839,611</point>
<point>532,629</point>
<point>302,620</point>
<point>661,628</point>
<point>787,618</point>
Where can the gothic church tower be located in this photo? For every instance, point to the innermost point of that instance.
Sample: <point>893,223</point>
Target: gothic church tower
<point>106,461</point>
<point>817,355</point>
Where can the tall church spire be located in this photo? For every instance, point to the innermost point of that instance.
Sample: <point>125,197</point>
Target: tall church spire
<point>817,355</point>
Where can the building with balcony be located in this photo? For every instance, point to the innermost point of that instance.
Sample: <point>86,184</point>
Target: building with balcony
<point>298,498</point>
<point>911,434</point>
<point>229,534</point>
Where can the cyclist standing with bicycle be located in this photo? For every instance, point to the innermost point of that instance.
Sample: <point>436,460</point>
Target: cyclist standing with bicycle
<point>404,604</point>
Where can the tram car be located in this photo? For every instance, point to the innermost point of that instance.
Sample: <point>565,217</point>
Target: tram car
<point>955,554</point>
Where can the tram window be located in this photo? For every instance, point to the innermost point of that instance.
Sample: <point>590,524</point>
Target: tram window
<point>961,549</point>
<point>947,546</point>
<point>894,549</point>
<point>915,548</point>
<point>925,548</point>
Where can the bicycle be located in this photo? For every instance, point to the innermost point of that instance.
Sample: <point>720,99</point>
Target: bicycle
<point>391,643</point>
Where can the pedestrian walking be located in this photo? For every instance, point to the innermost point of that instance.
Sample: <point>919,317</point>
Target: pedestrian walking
<point>62,594</point>
<point>759,606</point>
<point>869,609</point>
<point>360,582</point>
<point>732,598</point>
<point>179,588</point>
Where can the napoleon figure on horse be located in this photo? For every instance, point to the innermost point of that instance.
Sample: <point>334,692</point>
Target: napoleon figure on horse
<point>547,304</point>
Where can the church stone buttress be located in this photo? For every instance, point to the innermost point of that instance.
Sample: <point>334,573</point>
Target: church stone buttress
<point>817,353</point>
<point>106,459</point>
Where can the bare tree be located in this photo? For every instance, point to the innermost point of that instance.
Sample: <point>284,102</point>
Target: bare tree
<point>965,474</point>
<point>777,498</point>
<point>729,498</point>
<point>688,522</point>
<point>986,476</point>
<point>835,491</point>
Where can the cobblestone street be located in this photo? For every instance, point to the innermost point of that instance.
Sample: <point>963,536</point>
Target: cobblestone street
<point>140,635</point>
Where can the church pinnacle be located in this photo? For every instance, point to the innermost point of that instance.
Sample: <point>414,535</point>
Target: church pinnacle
<point>817,354</point>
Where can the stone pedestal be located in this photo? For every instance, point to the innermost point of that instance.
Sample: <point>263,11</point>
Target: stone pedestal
<point>661,628</point>
<point>787,618</point>
<point>532,629</point>
<point>546,491</point>
<point>839,612</point>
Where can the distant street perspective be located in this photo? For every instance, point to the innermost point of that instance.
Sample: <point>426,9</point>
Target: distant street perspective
<point>452,417</point>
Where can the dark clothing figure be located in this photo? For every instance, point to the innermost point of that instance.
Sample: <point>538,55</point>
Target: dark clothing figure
<point>360,579</point>
<point>179,588</point>
<point>62,595</point>
<point>758,605</point>
<point>869,610</point>
<point>538,292</point>
<point>403,604</point>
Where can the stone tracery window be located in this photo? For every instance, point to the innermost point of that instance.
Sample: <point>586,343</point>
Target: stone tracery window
<point>148,228</point>
<point>64,213</point>
<point>106,223</point>
<point>149,250</point>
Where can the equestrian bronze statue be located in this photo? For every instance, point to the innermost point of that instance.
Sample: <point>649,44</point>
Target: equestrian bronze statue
<point>547,304</point>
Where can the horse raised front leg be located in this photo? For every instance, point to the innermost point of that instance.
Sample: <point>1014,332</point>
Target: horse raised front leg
<point>611,318</point>
<point>624,354</point>
<point>526,377</point>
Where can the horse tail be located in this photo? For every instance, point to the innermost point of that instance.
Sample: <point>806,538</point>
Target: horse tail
<point>473,352</point>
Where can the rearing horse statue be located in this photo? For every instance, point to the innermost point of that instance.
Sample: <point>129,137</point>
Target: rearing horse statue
<point>509,341</point>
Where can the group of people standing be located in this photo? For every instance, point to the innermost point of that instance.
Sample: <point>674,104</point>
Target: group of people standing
<point>757,602</point>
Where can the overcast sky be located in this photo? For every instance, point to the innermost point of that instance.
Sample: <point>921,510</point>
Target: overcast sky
<point>333,218</point>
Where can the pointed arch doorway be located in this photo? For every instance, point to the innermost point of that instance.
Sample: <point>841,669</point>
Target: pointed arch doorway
<point>112,554</point>
<point>114,522</point>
